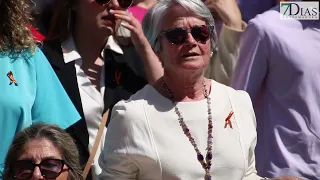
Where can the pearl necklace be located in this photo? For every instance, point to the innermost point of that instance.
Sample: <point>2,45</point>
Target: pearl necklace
<point>206,163</point>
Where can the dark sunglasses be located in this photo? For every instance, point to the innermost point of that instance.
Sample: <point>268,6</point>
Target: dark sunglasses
<point>178,36</point>
<point>49,168</point>
<point>124,4</point>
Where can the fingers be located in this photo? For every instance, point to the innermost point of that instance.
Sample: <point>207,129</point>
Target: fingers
<point>122,14</point>
<point>132,23</point>
<point>125,16</point>
<point>128,26</point>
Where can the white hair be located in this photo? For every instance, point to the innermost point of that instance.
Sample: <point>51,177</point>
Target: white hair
<point>154,18</point>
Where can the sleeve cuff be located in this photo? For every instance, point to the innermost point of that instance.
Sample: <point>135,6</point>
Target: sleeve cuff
<point>231,35</point>
<point>243,27</point>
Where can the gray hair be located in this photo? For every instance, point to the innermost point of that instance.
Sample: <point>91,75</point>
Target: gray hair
<point>58,137</point>
<point>154,17</point>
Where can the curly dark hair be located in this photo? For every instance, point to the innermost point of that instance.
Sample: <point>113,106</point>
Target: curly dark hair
<point>15,21</point>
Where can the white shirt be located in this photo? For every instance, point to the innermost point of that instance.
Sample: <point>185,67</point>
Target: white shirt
<point>91,100</point>
<point>146,142</point>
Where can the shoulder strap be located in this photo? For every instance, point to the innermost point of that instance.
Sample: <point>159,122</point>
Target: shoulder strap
<point>96,144</point>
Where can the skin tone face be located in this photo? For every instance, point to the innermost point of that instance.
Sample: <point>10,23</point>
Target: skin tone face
<point>96,16</point>
<point>39,149</point>
<point>190,56</point>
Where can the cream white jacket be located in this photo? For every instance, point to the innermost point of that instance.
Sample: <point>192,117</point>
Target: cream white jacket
<point>145,141</point>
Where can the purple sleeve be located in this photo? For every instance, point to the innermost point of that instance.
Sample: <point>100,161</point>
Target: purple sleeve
<point>252,64</point>
<point>251,8</point>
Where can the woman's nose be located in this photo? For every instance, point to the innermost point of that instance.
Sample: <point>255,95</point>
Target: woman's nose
<point>37,174</point>
<point>114,4</point>
<point>190,39</point>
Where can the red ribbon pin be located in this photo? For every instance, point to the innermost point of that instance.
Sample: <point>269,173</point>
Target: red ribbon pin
<point>228,121</point>
<point>12,80</point>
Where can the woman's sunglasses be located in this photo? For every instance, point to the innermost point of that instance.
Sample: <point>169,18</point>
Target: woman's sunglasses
<point>178,36</point>
<point>124,4</point>
<point>49,168</point>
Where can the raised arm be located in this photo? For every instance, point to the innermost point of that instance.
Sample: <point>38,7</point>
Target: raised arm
<point>152,65</point>
<point>222,64</point>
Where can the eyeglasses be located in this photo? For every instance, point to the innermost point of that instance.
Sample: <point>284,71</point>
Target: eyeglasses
<point>178,36</point>
<point>49,168</point>
<point>124,4</point>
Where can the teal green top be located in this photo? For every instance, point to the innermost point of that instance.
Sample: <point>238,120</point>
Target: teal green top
<point>38,96</point>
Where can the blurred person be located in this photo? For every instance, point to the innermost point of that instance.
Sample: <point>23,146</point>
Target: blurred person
<point>42,151</point>
<point>279,67</point>
<point>183,126</point>
<point>30,90</point>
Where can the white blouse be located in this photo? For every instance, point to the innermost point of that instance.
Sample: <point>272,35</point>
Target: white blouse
<point>145,141</point>
<point>91,100</point>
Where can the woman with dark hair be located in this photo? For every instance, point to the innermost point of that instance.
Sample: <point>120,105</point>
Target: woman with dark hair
<point>30,90</point>
<point>75,46</point>
<point>42,151</point>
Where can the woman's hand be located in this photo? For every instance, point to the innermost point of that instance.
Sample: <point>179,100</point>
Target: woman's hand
<point>133,25</point>
<point>286,178</point>
<point>152,65</point>
<point>228,11</point>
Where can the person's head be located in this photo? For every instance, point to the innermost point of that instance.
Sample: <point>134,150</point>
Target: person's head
<point>181,33</point>
<point>15,18</point>
<point>91,14</point>
<point>42,151</point>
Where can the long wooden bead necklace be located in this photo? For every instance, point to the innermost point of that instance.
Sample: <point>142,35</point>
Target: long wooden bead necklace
<point>206,163</point>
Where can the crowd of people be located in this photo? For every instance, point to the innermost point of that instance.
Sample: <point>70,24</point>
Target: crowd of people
<point>158,89</point>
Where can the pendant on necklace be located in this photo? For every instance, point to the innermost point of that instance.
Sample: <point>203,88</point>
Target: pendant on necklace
<point>207,176</point>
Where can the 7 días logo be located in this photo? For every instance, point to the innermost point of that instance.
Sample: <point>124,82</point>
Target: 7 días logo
<point>299,10</point>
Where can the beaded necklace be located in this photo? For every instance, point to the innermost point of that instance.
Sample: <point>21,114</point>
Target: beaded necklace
<point>206,163</point>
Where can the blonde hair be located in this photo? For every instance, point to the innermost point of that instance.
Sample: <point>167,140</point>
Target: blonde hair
<point>15,20</point>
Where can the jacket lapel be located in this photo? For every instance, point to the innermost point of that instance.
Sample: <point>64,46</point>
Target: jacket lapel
<point>66,73</point>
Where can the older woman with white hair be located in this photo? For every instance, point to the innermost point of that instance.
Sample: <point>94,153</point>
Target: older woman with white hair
<point>183,126</point>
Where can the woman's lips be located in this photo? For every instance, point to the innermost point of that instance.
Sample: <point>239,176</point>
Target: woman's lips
<point>109,19</point>
<point>190,55</point>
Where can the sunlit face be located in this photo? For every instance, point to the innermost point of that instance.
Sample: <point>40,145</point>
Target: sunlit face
<point>97,16</point>
<point>38,150</point>
<point>189,56</point>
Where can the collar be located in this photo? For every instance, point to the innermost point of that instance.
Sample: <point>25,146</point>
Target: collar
<point>70,52</point>
<point>113,45</point>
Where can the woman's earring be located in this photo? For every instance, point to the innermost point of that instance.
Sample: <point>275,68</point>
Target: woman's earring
<point>211,54</point>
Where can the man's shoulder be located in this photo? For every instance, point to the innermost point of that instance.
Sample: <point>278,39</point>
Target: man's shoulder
<point>271,20</point>
<point>266,20</point>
